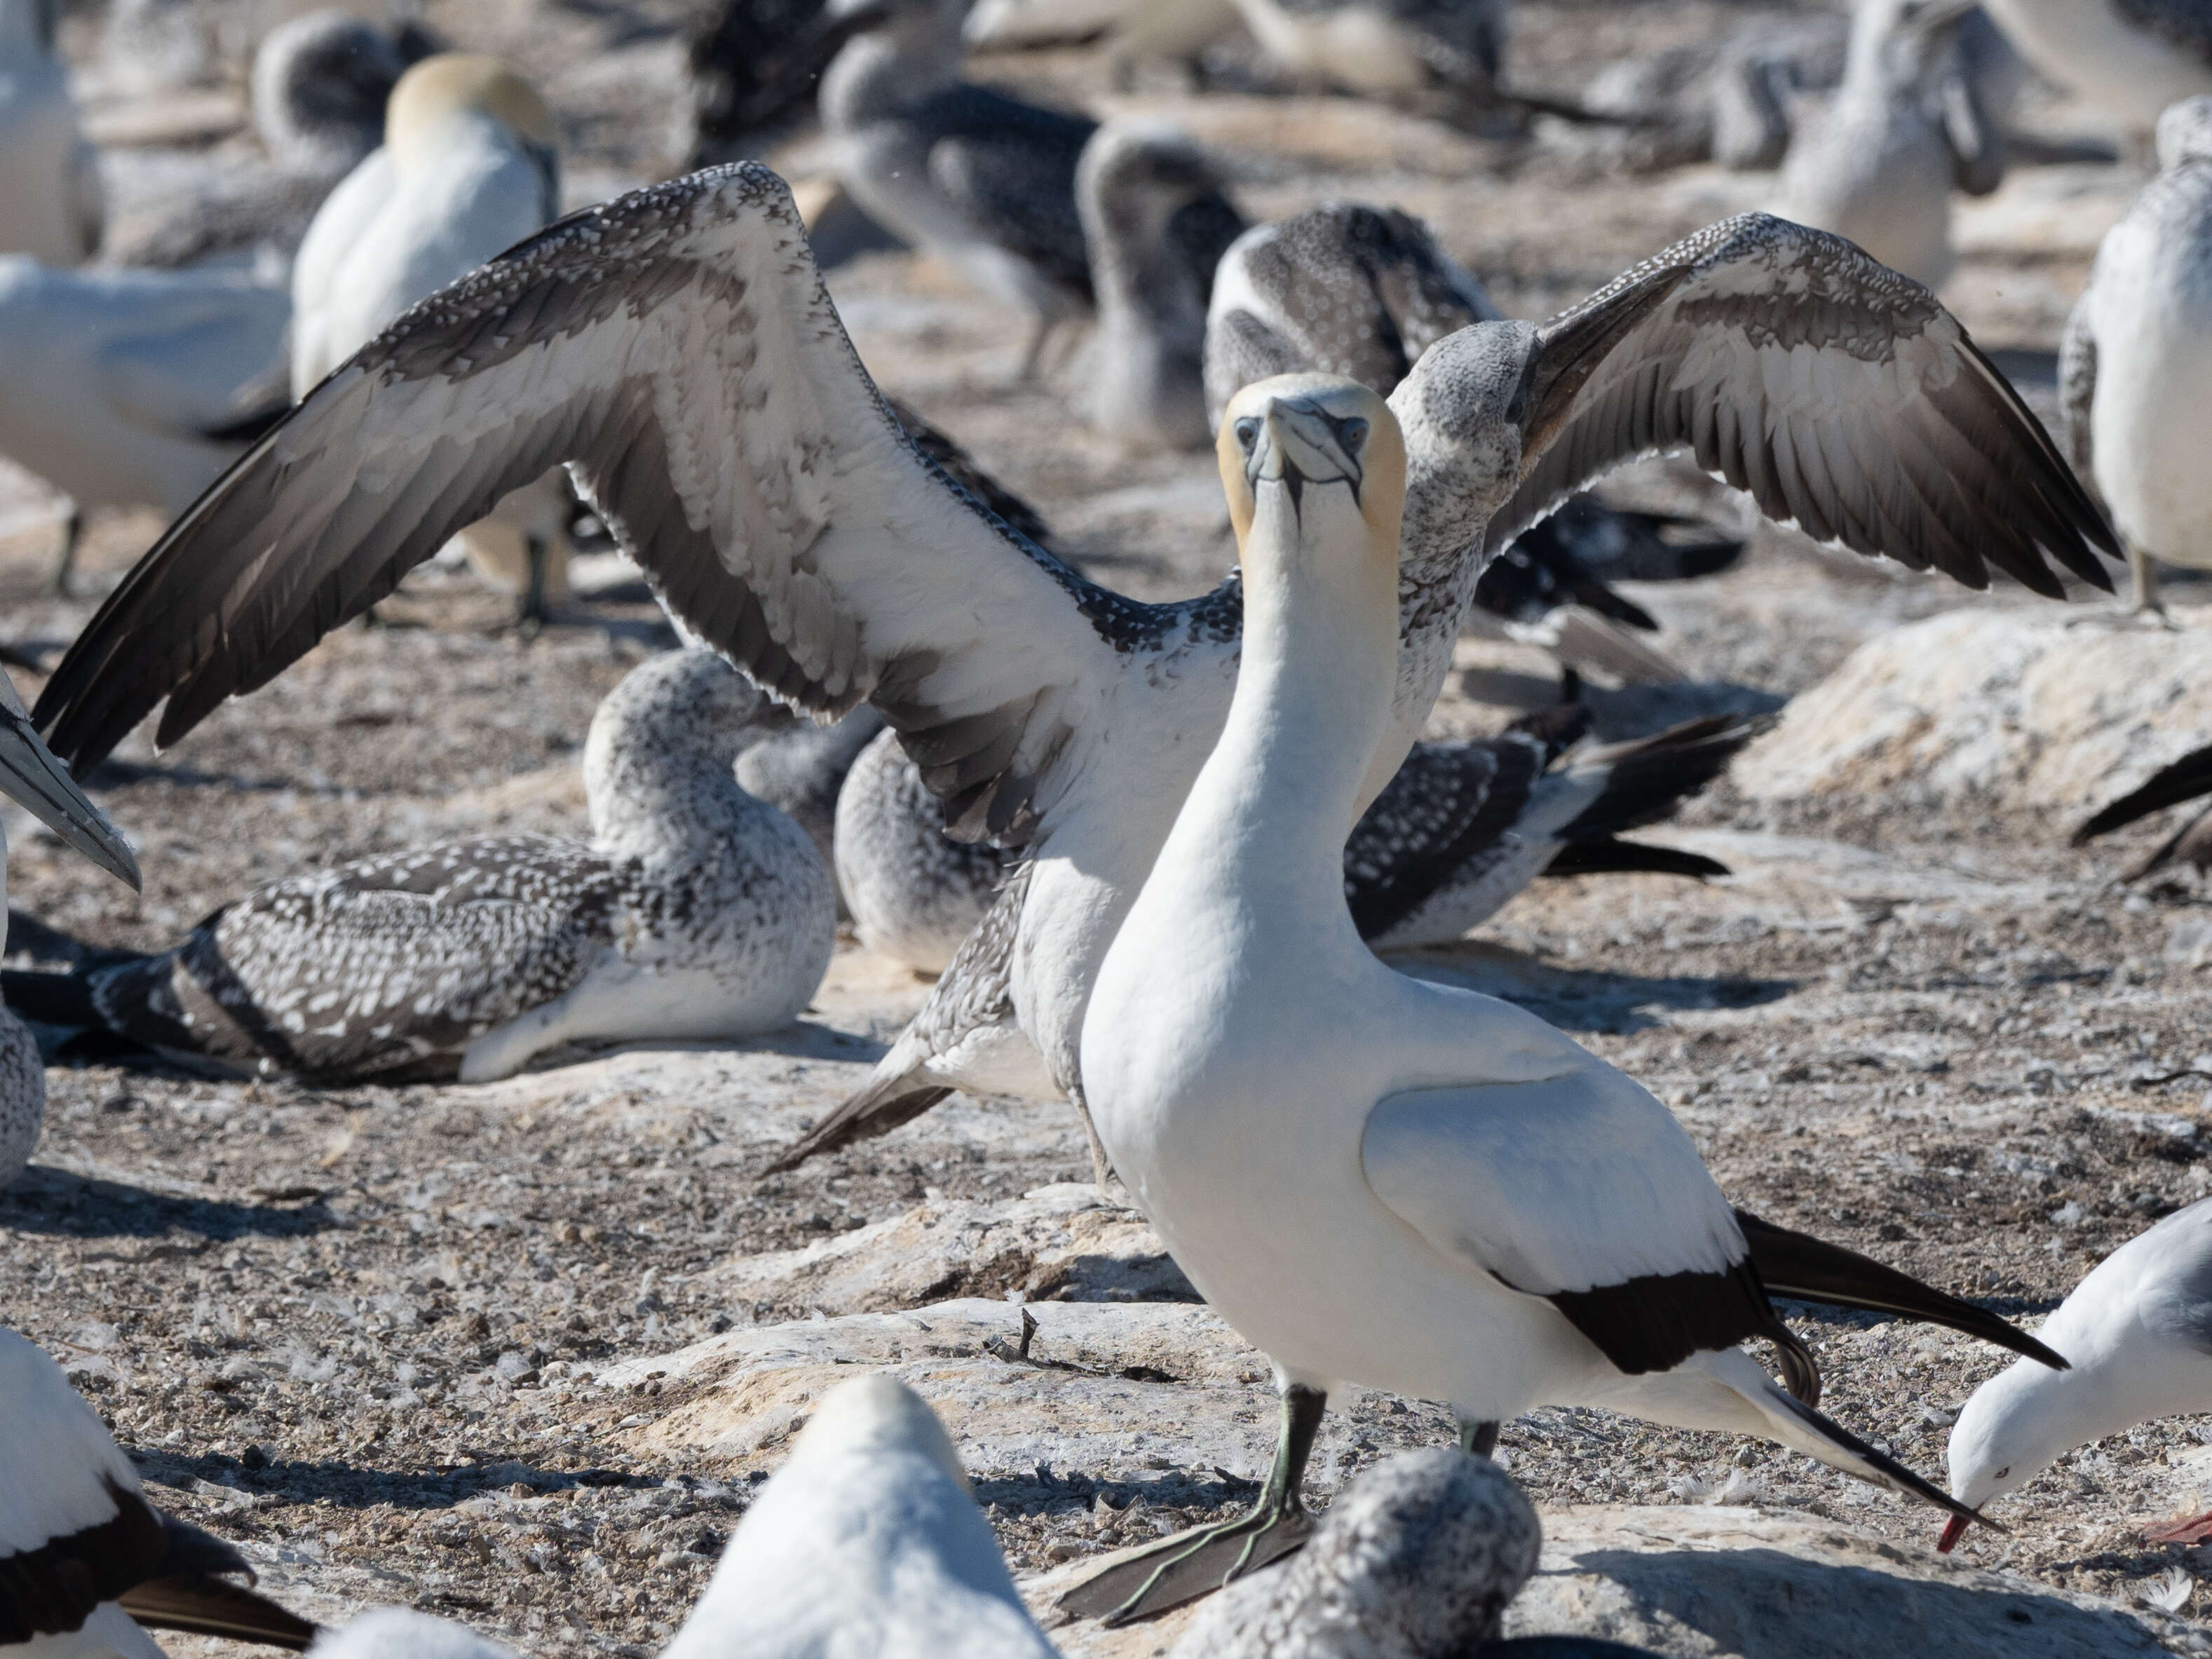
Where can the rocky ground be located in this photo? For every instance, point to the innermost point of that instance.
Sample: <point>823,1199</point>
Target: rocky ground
<point>401,1342</point>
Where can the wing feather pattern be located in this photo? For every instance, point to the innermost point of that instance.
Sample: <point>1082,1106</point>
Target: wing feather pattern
<point>1840,394</point>
<point>676,348</point>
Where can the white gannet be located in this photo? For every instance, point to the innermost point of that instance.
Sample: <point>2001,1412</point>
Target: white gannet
<point>469,167</point>
<point>695,914</point>
<point>1903,130</point>
<point>915,894</point>
<point>2135,366</point>
<point>1376,1180</point>
<point>866,1541</point>
<point>51,206</point>
<point>128,388</point>
<point>2138,1331</point>
<point>1416,1558</point>
<point>982,179</point>
<point>2187,778</point>
<point>2132,57</point>
<point>677,347</point>
<point>1156,223</point>
<point>33,778</point>
<point>85,1561</point>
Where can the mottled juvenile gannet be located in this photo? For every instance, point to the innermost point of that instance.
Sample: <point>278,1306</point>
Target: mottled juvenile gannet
<point>980,179</point>
<point>1904,129</point>
<point>469,167</point>
<point>1158,222</point>
<point>1376,1180</point>
<point>2133,57</point>
<point>87,1566</point>
<point>2138,1331</point>
<point>2186,779</point>
<point>30,776</point>
<point>678,348</point>
<point>50,198</point>
<point>2135,367</point>
<point>130,388</point>
<point>915,894</point>
<point>695,914</point>
<point>866,1541</point>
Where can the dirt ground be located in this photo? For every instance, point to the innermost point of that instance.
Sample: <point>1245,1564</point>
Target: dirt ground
<point>344,1326</point>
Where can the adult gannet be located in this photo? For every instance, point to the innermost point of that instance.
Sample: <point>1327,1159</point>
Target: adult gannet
<point>2133,57</point>
<point>980,179</point>
<point>866,1541</point>
<point>128,388</point>
<point>695,914</point>
<point>1156,223</point>
<point>33,778</point>
<point>2138,1330</point>
<point>85,1563</point>
<point>2134,366</point>
<point>469,167</point>
<point>50,206</point>
<point>1903,128</point>
<point>1378,1180</point>
<point>678,348</point>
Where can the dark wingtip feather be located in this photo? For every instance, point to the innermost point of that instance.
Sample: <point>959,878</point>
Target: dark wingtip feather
<point>879,1107</point>
<point>2187,778</point>
<point>212,1607</point>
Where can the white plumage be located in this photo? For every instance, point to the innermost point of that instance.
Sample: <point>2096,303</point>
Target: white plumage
<point>2135,364</point>
<point>50,196</point>
<point>2132,56</point>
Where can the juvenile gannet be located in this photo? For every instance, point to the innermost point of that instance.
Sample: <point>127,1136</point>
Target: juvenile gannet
<point>801,769</point>
<point>2135,366</point>
<point>50,206</point>
<point>1378,1180</point>
<point>1158,222</point>
<point>470,166</point>
<point>1903,130</point>
<point>1416,1558</point>
<point>85,1563</point>
<point>915,894</point>
<point>320,85</point>
<point>2132,56</point>
<point>695,914</point>
<point>678,348</point>
<point>33,779</point>
<point>2187,778</point>
<point>129,388</point>
<point>980,179</point>
<point>866,1541</point>
<point>2138,1330</point>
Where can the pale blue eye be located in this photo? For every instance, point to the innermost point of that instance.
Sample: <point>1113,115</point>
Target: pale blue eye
<point>1247,432</point>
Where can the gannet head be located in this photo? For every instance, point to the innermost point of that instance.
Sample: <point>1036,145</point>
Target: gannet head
<point>320,85</point>
<point>2184,132</point>
<point>877,1415</point>
<point>2013,1429</point>
<point>1314,445</point>
<point>456,84</point>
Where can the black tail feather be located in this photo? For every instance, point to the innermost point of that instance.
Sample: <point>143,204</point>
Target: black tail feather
<point>1648,778</point>
<point>212,1607</point>
<point>1609,856</point>
<point>879,1107</point>
<point>2189,778</point>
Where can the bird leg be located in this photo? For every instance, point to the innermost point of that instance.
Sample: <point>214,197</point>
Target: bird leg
<point>1180,1569</point>
<point>1033,357</point>
<point>72,533</point>
<point>532,614</point>
<point>1102,1167</point>
<point>2146,598</point>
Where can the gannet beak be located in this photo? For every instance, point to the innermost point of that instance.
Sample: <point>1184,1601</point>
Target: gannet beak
<point>29,774</point>
<point>1297,442</point>
<point>1953,1530</point>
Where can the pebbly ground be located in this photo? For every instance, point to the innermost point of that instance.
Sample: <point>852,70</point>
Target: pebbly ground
<point>354,1328</point>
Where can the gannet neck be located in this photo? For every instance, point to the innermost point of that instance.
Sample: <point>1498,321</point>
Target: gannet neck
<point>473,90</point>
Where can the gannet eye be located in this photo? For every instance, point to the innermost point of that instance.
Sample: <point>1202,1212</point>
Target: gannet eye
<point>2001,1472</point>
<point>1353,434</point>
<point>1248,432</point>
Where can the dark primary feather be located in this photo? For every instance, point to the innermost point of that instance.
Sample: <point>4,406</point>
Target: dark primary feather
<point>2189,778</point>
<point>1933,459</point>
<point>1610,856</point>
<point>207,1606</point>
<point>1655,1322</point>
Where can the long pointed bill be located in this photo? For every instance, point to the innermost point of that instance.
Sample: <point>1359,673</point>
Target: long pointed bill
<point>30,776</point>
<point>1953,1530</point>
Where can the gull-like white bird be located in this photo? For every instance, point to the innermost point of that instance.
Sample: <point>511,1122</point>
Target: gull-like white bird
<point>2136,363</point>
<point>134,388</point>
<point>866,1541</point>
<point>676,348</point>
<point>1903,131</point>
<point>696,912</point>
<point>2132,57</point>
<point>2138,1331</point>
<point>85,1563</point>
<point>469,167</point>
<point>1376,1180</point>
<point>50,206</point>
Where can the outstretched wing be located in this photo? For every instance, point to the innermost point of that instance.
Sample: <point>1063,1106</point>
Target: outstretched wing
<point>1840,394</point>
<point>676,348</point>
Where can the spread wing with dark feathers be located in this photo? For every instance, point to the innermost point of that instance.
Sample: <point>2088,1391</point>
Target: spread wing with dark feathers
<point>675,347</point>
<point>1840,394</point>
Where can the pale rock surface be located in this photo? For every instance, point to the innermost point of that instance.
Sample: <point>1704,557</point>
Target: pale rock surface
<point>2057,710</point>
